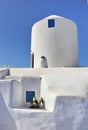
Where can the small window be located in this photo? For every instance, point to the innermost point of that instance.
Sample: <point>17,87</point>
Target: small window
<point>51,23</point>
<point>32,60</point>
<point>29,95</point>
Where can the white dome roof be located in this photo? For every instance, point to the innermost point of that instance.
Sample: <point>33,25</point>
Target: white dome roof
<point>54,16</point>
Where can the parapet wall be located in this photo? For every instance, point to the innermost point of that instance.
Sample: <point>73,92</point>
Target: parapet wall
<point>65,92</point>
<point>63,84</point>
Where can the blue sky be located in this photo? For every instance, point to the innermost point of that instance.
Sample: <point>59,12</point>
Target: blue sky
<point>17,18</point>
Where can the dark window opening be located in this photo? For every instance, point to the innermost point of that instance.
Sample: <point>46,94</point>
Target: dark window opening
<point>51,23</point>
<point>29,95</point>
<point>32,60</point>
<point>43,57</point>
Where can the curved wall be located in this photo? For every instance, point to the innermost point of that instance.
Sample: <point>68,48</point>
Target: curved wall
<point>57,44</point>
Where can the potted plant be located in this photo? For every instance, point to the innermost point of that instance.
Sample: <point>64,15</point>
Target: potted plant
<point>39,104</point>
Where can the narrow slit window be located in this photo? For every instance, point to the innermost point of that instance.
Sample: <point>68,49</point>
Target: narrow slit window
<point>51,23</point>
<point>32,60</point>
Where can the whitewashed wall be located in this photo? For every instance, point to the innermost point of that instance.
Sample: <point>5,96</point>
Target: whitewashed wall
<point>16,94</point>
<point>19,88</point>
<point>57,44</point>
<point>65,92</point>
<point>63,84</point>
<point>30,84</point>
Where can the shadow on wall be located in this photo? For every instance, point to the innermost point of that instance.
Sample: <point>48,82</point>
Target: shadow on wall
<point>22,92</point>
<point>6,120</point>
<point>15,94</point>
<point>71,113</point>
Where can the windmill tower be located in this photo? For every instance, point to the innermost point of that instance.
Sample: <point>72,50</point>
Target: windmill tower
<point>54,38</point>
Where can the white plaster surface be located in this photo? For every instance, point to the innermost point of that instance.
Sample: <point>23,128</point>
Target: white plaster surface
<point>65,91</point>
<point>57,44</point>
<point>17,73</point>
<point>65,84</point>
<point>30,84</point>
<point>70,113</point>
<point>16,94</point>
<point>6,120</point>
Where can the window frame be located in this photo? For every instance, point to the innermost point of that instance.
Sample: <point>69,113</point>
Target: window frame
<point>51,23</point>
<point>29,96</point>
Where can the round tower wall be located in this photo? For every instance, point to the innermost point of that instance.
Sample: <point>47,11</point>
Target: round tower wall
<point>55,38</point>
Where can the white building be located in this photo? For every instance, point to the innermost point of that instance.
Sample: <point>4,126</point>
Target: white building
<point>55,38</point>
<point>54,75</point>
